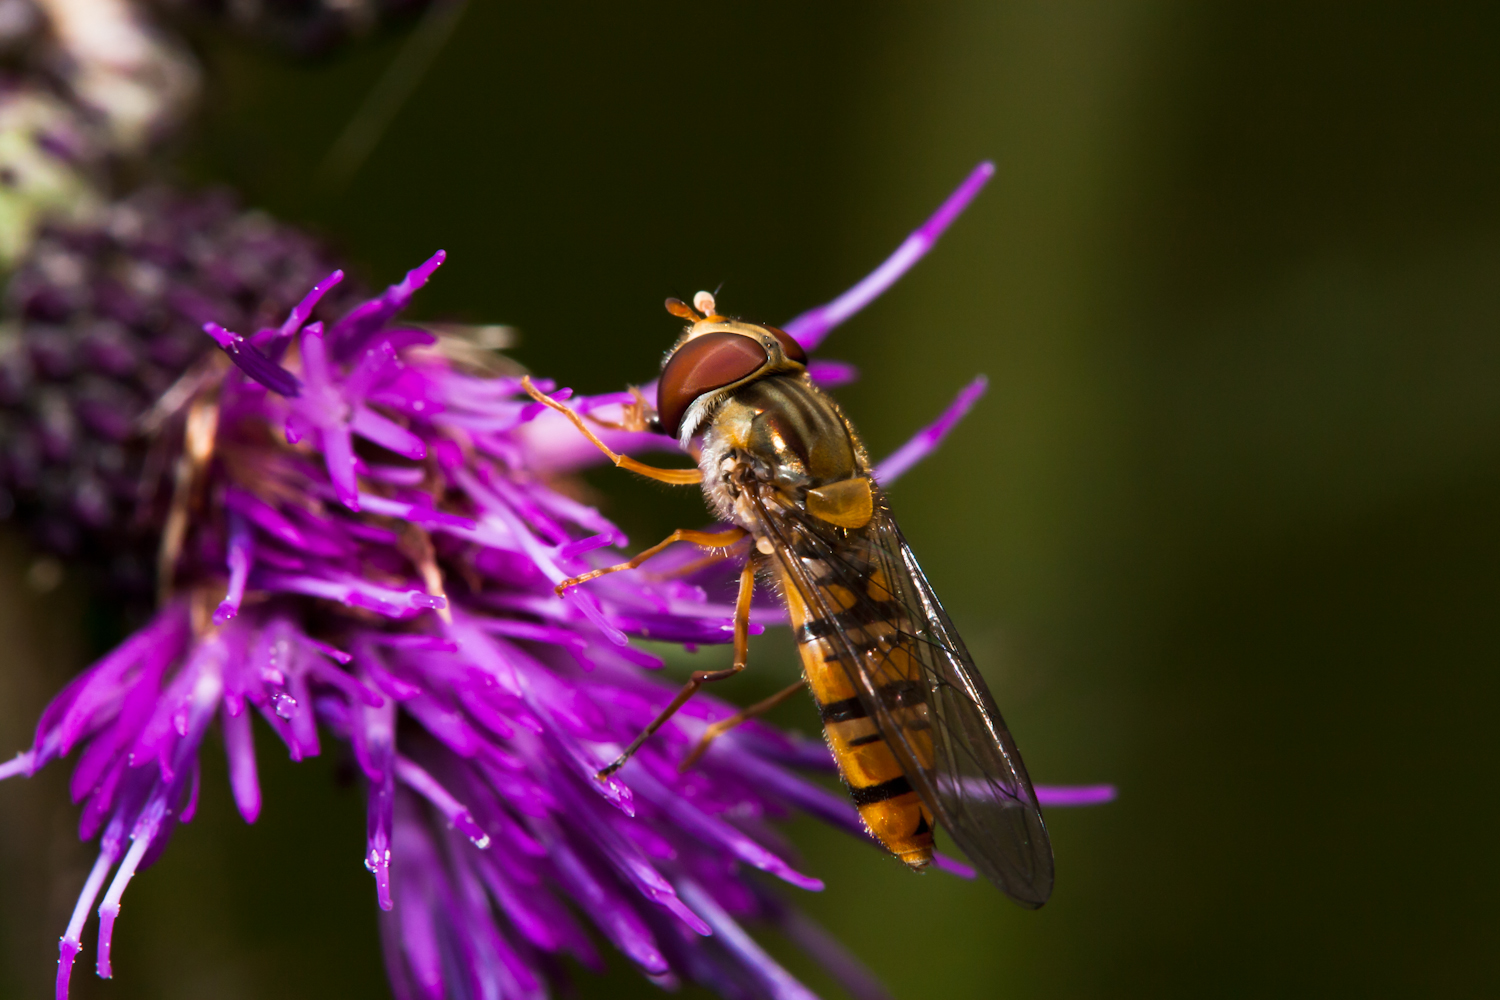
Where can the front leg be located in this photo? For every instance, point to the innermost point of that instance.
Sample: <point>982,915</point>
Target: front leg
<point>701,677</point>
<point>707,539</point>
<point>675,477</point>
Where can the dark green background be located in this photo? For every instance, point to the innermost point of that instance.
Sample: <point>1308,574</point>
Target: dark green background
<point>1226,530</point>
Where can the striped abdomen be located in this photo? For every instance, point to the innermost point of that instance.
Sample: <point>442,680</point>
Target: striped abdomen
<point>887,803</point>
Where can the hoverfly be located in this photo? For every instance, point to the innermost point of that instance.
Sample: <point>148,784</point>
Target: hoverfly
<point>913,727</point>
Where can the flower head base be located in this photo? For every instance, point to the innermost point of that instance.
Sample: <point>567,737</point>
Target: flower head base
<point>360,547</point>
<point>105,319</point>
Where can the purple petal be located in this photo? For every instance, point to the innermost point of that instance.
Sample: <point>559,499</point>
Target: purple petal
<point>811,327</point>
<point>241,553</point>
<point>190,807</point>
<point>633,865</point>
<point>264,516</point>
<point>615,918</point>
<point>952,866</point>
<point>1075,795</point>
<point>352,689</point>
<point>537,915</point>
<point>21,763</point>
<point>377,360</point>
<point>373,745</point>
<point>239,747</point>
<point>831,374</point>
<point>349,332</point>
<point>415,873</point>
<point>829,952</point>
<point>248,359</point>
<point>778,982</point>
<point>140,840</point>
<point>455,811</point>
<point>719,835</point>
<point>388,434</point>
<point>304,309</point>
<point>71,943</point>
<point>928,438</point>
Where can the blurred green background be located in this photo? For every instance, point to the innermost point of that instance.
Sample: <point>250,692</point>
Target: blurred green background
<point>1225,531</point>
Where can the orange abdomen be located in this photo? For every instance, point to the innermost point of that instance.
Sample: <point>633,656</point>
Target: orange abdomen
<point>888,805</point>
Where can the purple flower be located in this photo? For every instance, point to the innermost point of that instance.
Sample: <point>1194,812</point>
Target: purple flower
<point>104,320</point>
<point>362,545</point>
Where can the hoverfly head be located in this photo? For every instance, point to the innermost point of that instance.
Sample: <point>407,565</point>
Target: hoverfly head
<point>715,353</point>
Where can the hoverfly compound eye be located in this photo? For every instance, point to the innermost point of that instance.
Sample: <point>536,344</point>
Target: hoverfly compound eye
<point>702,365</point>
<point>789,346</point>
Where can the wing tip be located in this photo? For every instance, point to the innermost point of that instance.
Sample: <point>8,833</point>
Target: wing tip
<point>1034,898</point>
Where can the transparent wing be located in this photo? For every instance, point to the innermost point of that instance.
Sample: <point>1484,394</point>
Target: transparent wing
<point>958,755</point>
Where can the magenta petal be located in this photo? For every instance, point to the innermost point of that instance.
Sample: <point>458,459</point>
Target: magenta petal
<point>928,438</point>
<point>430,789</point>
<point>778,982</point>
<point>338,452</point>
<point>249,360</point>
<point>239,747</point>
<point>374,740</point>
<point>304,309</point>
<point>21,763</point>
<point>386,433</point>
<point>140,841</point>
<point>952,866</point>
<point>831,374</point>
<point>1075,795</point>
<point>811,327</point>
<point>718,834</point>
<point>349,332</point>
<point>71,943</point>
<point>241,553</point>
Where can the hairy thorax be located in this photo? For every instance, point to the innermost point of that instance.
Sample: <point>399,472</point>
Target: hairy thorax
<point>777,437</point>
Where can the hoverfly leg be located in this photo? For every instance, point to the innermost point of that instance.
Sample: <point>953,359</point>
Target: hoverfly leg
<point>700,677</point>
<point>724,725</point>
<point>713,558</point>
<point>742,612</point>
<point>674,477</point>
<point>696,681</point>
<point>707,539</point>
<point>632,417</point>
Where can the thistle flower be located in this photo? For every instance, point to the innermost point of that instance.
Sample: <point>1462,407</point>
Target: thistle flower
<point>360,545</point>
<point>104,317</point>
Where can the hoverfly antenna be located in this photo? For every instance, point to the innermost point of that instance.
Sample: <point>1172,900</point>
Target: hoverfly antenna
<point>682,310</point>
<point>704,303</point>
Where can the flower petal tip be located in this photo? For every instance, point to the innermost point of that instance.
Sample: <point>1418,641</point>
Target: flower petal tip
<point>1075,795</point>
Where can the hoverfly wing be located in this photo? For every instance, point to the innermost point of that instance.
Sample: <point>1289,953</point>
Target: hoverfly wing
<point>958,754</point>
<point>984,795</point>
